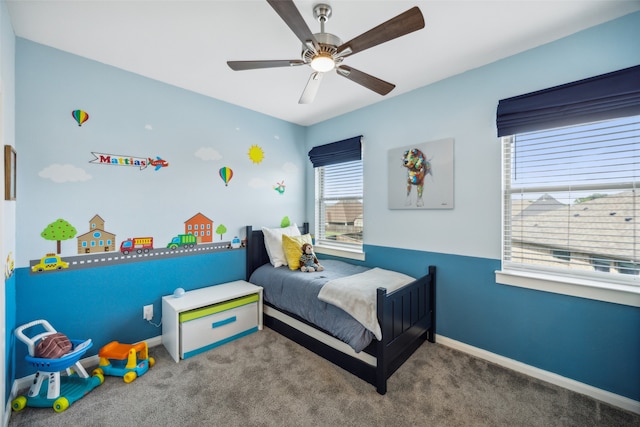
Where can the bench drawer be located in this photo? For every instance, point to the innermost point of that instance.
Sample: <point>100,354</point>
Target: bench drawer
<point>208,327</point>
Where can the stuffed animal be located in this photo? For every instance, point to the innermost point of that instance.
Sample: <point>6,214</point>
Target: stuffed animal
<point>308,260</point>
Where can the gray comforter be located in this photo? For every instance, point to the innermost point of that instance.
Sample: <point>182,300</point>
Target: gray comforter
<point>297,293</point>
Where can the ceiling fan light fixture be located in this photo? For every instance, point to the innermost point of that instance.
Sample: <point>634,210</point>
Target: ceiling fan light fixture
<point>322,63</point>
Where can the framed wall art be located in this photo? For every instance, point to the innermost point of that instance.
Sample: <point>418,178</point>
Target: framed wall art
<point>9,173</point>
<point>421,176</point>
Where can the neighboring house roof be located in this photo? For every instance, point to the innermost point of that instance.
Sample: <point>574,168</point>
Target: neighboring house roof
<point>605,226</point>
<point>344,212</point>
<point>543,204</point>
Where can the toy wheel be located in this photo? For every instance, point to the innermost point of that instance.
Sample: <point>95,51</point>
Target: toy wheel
<point>97,371</point>
<point>19,403</point>
<point>152,362</point>
<point>129,377</point>
<point>60,404</point>
<point>99,376</point>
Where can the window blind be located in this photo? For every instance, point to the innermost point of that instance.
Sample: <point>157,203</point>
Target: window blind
<point>339,193</point>
<point>571,199</point>
<point>603,97</point>
<point>346,150</point>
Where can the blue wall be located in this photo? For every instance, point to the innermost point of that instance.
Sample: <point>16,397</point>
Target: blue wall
<point>105,303</point>
<point>594,342</point>
<point>589,341</point>
<point>134,116</point>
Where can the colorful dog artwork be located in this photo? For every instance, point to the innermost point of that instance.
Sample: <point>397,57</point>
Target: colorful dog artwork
<point>421,175</point>
<point>417,167</point>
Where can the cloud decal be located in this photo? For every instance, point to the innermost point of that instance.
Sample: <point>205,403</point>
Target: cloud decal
<point>208,153</point>
<point>64,173</point>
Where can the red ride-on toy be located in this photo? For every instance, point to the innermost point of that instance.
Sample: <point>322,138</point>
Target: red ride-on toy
<point>49,388</point>
<point>128,361</point>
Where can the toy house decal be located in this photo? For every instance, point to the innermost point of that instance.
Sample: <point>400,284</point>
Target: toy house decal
<point>200,226</point>
<point>96,239</point>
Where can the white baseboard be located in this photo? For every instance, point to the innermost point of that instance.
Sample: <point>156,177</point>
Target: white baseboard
<point>550,377</point>
<point>87,363</point>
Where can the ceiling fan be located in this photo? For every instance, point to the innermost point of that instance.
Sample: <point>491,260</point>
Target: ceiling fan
<point>324,52</point>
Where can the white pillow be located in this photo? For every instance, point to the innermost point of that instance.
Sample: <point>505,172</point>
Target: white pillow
<point>273,243</point>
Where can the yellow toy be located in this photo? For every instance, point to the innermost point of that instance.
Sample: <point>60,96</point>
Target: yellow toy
<point>128,361</point>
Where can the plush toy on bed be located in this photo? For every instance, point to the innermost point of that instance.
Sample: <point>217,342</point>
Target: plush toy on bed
<point>308,260</point>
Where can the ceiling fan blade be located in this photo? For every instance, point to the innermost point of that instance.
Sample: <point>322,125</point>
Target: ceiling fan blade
<point>405,23</point>
<point>253,65</point>
<point>291,16</point>
<point>366,80</point>
<point>310,90</point>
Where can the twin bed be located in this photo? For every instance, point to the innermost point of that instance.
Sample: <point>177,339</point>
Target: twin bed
<point>405,316</point>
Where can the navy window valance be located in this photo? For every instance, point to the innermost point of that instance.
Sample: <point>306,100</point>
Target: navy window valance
<point>347,150</point>
<point>602,97</point>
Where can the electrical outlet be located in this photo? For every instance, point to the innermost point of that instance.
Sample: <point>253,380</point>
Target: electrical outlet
<point>147,312</point>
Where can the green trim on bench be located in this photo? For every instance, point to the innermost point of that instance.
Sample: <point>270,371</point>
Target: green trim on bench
<point>216,308</point>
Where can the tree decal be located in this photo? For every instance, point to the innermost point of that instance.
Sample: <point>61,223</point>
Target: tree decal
<point>285,222</point>
<point>221,230</point>
<point>59,230</point>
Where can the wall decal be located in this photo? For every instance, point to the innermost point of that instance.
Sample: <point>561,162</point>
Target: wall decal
<point>138,245</point>
<point>256,154</point>
<point>421,176</point>
<point>81,116</point>
<point>279,187</point>
<point>97,247</point>
<point>208,153</point>
<point>158,163</point>
<point>221,229</point>
<point>119,160</point>
<point>96,240</point>
<point>226,174</point>
<point>236,242</point>
<point>49,262</point>
<point>200,226</point>
<point>64,173</point>
<point>58,231</point>
<point>9,266</point>
<point>285,222</point>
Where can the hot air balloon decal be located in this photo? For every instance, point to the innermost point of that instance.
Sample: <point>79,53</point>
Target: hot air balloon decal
<point>81,116</point>
<point>226,174</point>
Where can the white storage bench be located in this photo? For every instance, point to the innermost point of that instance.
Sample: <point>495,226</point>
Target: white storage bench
<point>205,318</point>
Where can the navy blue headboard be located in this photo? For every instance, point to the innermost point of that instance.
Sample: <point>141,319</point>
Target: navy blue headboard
<point>256,251</point>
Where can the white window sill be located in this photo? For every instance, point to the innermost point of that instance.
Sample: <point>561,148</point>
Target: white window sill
<point>338,251</point>
<point>583,288</point>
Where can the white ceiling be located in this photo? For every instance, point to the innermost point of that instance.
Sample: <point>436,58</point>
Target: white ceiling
<point>187,43</point>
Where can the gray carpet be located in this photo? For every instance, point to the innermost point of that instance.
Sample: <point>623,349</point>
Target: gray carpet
<point>266,380</point>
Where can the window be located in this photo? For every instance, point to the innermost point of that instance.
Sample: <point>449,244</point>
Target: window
<point>339,194</point>
<point>572,201</point>
<point>571,159</point>
<point>339,204</point>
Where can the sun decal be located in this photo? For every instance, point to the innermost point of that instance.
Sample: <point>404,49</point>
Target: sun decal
<point>256,154</point>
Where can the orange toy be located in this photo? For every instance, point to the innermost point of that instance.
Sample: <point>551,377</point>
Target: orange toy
<point>128,361</point>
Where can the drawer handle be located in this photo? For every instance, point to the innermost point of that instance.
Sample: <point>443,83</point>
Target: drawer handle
<point>223,322</point>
